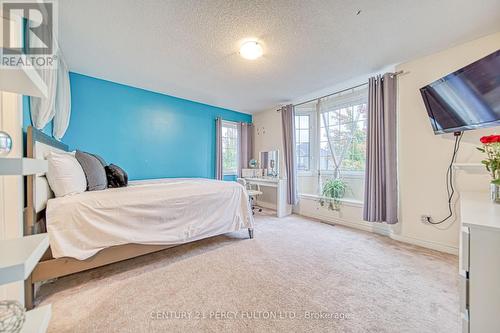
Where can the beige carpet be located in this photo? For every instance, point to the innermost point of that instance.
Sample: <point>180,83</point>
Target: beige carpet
<point>297,275</point>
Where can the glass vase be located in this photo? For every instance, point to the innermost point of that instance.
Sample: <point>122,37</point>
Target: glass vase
<point>495,193</point>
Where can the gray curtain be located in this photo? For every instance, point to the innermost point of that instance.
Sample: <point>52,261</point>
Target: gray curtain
<point>381,188</point>
<point>245,131</point>
<point>219,172</point>
<point>288,125</point>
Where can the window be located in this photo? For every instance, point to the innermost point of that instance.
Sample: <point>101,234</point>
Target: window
<point>303,141</point>
<point>230,148</point>
<point>343,133</point>
<point>331,142</point>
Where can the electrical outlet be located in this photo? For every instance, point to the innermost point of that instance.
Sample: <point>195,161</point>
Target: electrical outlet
<point>425,218</point>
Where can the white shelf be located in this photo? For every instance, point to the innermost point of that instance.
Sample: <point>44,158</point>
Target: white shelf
<point>22,80</point>
<point>37,320</point>
<point>473,168</point>
<point>22,166</point>
<point>19,256</point>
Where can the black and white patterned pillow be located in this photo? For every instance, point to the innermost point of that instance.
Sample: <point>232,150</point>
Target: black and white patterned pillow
<point>117,177</point>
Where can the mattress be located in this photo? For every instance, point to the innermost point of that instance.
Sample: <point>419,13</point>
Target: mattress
<point>159,212</point>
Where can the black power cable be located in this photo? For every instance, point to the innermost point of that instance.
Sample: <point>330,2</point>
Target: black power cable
<point>450,189</point>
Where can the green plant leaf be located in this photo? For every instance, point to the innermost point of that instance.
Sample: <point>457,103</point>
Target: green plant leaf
<point>334,189</point>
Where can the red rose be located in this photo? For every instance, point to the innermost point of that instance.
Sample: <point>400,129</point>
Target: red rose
<point>485,139</point>
<point>490,139</point>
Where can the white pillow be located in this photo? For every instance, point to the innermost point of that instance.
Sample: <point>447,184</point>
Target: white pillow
<point>65,175</point>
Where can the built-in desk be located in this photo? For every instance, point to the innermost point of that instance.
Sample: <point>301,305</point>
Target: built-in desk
<point>282,207</point>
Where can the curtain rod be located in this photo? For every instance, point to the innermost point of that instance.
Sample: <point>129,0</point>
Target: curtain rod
<point>233,122</point>
<point>337,92</point>
<point>340,91</point>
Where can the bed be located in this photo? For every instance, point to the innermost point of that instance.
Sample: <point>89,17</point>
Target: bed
<point>96,228</point>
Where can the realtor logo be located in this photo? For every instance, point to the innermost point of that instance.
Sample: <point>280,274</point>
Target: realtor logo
<point>32,20</point>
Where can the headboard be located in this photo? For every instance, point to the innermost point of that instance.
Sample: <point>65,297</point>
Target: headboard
<point>38,144</point>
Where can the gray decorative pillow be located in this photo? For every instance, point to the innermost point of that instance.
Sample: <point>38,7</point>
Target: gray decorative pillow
<point>94,171</point>
<point>103,162</point>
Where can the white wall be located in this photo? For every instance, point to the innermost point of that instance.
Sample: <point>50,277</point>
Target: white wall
<point>268,136</point>
<point>11,187</point>
<point>423,157</point>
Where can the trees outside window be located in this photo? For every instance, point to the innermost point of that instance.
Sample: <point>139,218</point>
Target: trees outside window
<point>230,148</point>
<point>303,142</point>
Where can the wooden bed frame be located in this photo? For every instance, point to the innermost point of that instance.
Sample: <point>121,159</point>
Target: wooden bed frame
<point>49,267</point>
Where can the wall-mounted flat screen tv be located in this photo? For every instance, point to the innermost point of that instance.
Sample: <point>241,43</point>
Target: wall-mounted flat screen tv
<point>466,99</point>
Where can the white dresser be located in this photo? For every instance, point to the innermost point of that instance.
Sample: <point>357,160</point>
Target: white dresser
<point>479,263</point>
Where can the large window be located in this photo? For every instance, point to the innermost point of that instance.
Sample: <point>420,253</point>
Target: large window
<point>230,148</point>
<point>303,142</point>
<point>331,142</point>
<point>343,133</point>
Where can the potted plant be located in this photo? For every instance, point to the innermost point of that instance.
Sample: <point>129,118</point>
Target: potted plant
<point>333,190</point>
<point>491,147</point>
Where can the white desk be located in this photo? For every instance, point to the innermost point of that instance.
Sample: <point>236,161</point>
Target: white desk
<point>282,207</point>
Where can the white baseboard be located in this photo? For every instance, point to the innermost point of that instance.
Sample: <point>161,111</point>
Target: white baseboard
<point>385,230</point>
<point>378,228</point>
<point>425,243</point>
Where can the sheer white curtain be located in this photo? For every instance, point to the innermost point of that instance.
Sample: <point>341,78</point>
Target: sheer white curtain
<point>62,101</point>
<point>57,105</point>
<point>43,109</point>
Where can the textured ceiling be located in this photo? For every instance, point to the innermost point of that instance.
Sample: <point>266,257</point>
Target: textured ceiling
<point>189,48</point>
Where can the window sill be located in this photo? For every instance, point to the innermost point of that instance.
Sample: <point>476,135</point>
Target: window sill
<point>344,174</point>
<point>346,202</point>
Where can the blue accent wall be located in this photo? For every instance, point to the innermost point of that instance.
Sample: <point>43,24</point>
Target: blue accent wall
<point>149,135</point>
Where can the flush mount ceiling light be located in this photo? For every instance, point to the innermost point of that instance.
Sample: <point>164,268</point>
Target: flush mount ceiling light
<point>251,50</point>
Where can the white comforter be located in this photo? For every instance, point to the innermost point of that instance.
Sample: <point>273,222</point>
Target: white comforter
<point>165,211</point>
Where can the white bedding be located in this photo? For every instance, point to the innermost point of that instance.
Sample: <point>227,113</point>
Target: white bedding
<point>165,211</point>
